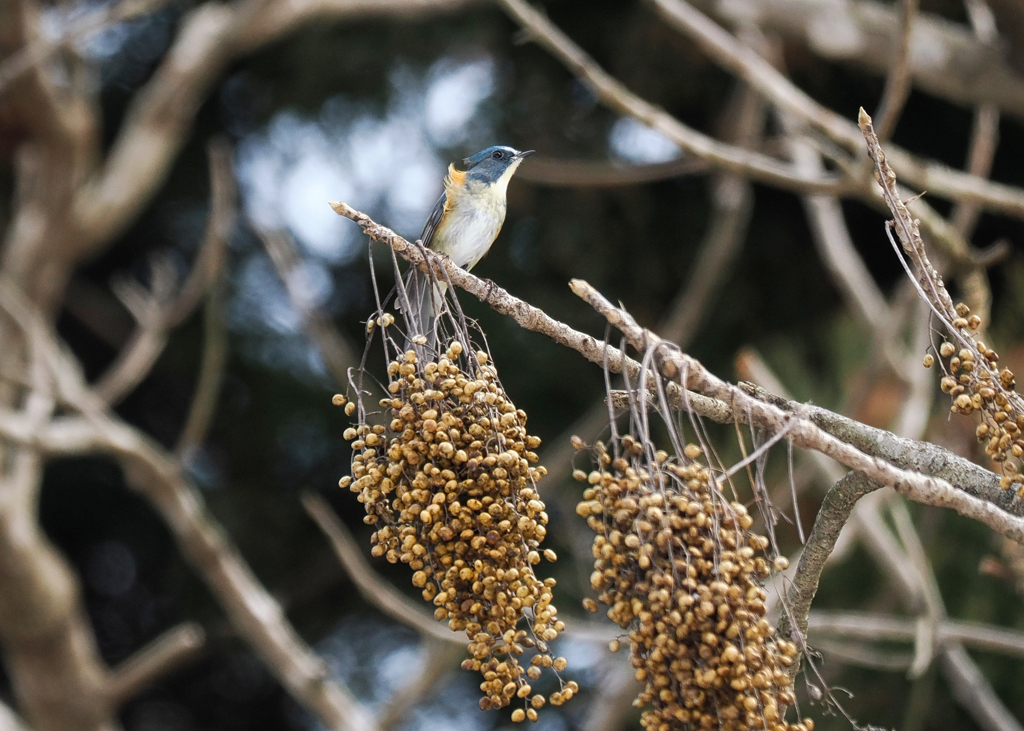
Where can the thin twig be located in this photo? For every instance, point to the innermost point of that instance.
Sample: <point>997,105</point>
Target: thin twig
<point>971,689</point>
<point>913,580</point>
<point>837,252</point>
<point>567,173</point>
<point>985,129</point>
<point>538,321</point>
<point>927,624</point>
<point>980,154</point>
<point>211,373</point>
<point>884,628</point>
<point>897,82</point>
<point>377,591</point>
<point>440,658</point>
<point>167,652</point>
<point>865,34</point>
<point>909,454</point>
<point>157,313</point>
<point>732,200</point>
<point>924,276</point>
<point>865,657</point>
<point>155,126</point>
<point>941,635</point>
<point>334,348</point>
<point>974,692</point>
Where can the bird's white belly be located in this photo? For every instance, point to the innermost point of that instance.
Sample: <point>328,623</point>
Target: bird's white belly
<point>469,231</point>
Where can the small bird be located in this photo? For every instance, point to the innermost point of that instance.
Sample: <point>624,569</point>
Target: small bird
<point>464,223</point>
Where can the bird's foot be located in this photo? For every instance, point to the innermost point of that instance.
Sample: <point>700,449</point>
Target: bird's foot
<point>491,286</point>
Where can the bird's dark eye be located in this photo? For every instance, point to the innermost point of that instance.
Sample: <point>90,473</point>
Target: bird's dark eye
<point>497,155</point>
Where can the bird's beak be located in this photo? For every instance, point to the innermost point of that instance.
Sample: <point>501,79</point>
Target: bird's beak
<point>524,153</point>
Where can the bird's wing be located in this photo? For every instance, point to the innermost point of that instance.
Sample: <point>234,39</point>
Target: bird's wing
<point>430,228</point>
<point>416,282</point>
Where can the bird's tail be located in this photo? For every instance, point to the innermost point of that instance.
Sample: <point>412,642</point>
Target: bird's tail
<point>426,297</point>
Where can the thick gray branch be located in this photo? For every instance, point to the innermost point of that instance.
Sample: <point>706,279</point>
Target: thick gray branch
<point>833,515</point>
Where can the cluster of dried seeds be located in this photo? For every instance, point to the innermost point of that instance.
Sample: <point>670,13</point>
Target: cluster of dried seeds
<point>451,483</point>
<point>679,567</point>
<point>975,383</point>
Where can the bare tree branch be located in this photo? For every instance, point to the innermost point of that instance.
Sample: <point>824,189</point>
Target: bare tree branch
<point>159,311</point>
<point>44,48</point>
<point>882,628</point>
<point>164,654</point>
<point>925,489</point>
<point>833,515</point>
<point>49,166</point>
<point>897,81</point>
<point>9,720</point>
<point>732,200</point>
<point>904,453</point>
<point>524,314</point>
<point>57,675</point>
<point>723,48</point>
<point>985,131</point>
<point>866,657</point>
<point>982,150</point>
<point>909,569</point>
<point>201,540</point>
<point>866,523</point>
<point>211,373</point>
<point>975,693</point>
<point>336,351</point>
<point>799,429</point>
<point>945,59</point>
<point>615,95</point>
<point>835,247</point>
<point>605,174</point>
<point>441,658</point>
<point>372,587</point>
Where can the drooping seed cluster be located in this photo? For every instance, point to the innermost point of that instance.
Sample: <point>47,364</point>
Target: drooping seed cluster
<point>679,567</point>
<point>975,383</point>
<point>451,483</point>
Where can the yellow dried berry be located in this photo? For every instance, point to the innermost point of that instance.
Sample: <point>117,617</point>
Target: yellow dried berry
<point>698,637</point>
<point>452,486</point>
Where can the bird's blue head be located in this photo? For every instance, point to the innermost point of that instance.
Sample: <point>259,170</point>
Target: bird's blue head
<point>493,164</point>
